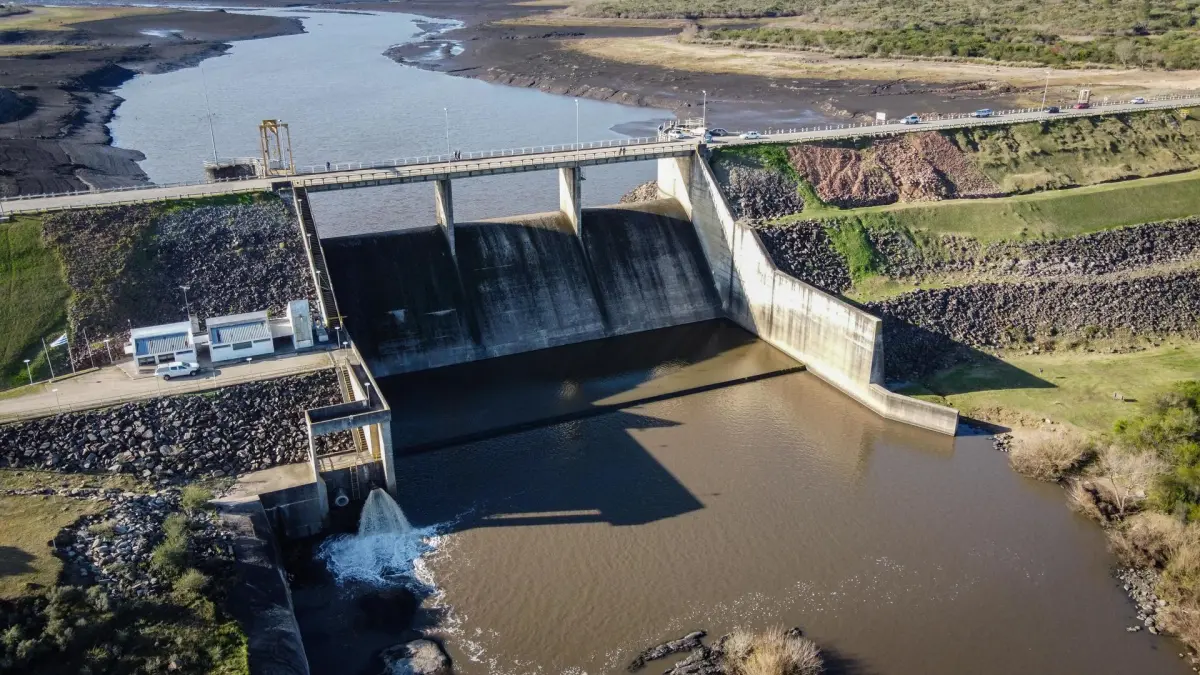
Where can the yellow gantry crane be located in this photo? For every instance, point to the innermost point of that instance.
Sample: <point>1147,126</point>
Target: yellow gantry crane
<point>275,141</point>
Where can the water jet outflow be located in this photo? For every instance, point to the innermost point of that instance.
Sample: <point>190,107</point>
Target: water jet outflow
<point>384,551</point>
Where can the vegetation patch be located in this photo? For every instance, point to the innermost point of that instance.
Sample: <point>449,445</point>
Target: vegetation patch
<point>33,299</point>
<point>26,524</point>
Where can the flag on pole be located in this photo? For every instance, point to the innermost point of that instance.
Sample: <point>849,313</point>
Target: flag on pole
<point>59,341</point>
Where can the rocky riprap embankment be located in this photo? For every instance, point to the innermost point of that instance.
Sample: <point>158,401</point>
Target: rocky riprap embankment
<point>113,548</point>
<point>1106,252</point>
<point>804,251</point>
<point>125,265</point>
<point>1140,585</point>
<point>225,432</point>
<point>756,193</point>
<point>926,329</point>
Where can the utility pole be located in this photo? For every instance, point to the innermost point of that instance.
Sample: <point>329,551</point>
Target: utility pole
<point>704,110</point>
<point>1046,90</point>
<point>187,307</point>
<point>447,112</point>
<point>576,122</point>
<point>46,351</point>
<point>212,134</point>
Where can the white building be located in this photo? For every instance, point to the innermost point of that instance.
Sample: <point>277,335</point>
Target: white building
<point>300,318</point>
<point>239,336</point>
<point>162,344</point>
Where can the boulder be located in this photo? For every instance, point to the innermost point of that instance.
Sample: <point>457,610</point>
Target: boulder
<point>418,657</point>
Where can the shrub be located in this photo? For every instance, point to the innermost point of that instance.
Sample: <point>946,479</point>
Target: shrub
<point>104,529</point>
<point>170,558</point>
<point>1150,539</point>
<point>1052,459</point>
<point>1125,477</point>
<point>195,498</point>
<point>191,583</point>
<point>176,526</point>
<point>772,652</point>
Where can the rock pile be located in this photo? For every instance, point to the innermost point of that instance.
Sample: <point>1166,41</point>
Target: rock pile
<point>226,432</point>
<point>113,548</point>
<point>758,194</point>
<point>804,251</point>
<point>646,192</point>
<point>1140,585</point>
<point>920,327</point>
<point>238,258</point>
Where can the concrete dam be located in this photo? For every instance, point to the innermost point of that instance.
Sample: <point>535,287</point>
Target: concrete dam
<point>520,284</point>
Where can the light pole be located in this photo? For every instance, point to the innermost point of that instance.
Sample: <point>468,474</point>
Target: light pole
<point>1045,90</point>
<point>28,371</point>
<point>339,335</point>
<point>212,134</point>
<point>447,112</point>
<point>187,307</point>
<point>109,349</point>
<point>704,110</point>
<point>576,122</point>
<point>57,400</point>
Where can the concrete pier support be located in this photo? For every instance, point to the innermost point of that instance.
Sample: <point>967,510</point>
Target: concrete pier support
<point>387,456</point>
<point>674,180</point>
<point>444,206</point>
<point>570,202</point>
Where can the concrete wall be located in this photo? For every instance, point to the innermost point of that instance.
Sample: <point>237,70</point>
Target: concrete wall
<point>835,340</point>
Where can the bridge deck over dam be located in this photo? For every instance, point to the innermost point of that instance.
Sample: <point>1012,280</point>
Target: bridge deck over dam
<point>500,162</point>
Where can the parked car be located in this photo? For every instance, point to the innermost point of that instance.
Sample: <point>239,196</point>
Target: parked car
<point>750,135</point>
<point>180,369</point>
<point>1082,106</point>
<point>911,119</point>
<point>676,135</point>
<point>982,112</point>
<point>718,132</point>
<point>1052,109</point>
<point>1138,100</point>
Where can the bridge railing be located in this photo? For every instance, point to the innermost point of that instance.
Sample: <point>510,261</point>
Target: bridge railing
<point>385,173</point>
<point>480,154</point>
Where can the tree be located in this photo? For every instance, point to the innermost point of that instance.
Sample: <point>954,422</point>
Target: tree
<point>1124,51</point>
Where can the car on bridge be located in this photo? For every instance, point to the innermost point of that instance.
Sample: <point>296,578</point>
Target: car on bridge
<point>1082,105</point>
<point>750,135</point>
<point>982,112</point>
<point>718,132</point>
<point>911,119</point>
<point>181,369</point>
<point>1138,100</point>
<point>1052,109</point>
<point>676,135</point>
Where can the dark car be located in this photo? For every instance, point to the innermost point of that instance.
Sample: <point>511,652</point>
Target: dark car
<point>1052,109</point>
<point>718,132</point>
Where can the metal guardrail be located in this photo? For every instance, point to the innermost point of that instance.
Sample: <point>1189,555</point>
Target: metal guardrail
<point>191,387</point>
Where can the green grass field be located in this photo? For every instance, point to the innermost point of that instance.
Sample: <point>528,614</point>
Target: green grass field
<point>1061,213</point>
<point>1082,388</point>
<point>26,524</point>
<point>33,296</point>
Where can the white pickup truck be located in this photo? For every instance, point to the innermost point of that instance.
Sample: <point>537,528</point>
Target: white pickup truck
<point>181,369</point>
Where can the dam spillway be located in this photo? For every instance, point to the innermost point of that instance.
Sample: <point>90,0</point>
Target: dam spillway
<point>519,284</point>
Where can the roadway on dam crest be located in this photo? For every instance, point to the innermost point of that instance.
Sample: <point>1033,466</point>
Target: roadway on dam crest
<point>511,161</point>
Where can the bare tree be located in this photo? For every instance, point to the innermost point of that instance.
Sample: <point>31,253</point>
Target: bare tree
<point>1124,51</point>
<point>1128,475</point>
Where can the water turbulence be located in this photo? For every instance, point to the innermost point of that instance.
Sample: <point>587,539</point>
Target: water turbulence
<point>385,550</point>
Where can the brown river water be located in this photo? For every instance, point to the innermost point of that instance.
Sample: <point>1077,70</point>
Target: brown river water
<point>773,501</point>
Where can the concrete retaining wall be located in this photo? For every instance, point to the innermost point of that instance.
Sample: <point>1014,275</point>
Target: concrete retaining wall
<point>835,340</point>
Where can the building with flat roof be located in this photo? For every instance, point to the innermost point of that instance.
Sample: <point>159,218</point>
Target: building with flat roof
<point>239,336</point>
<point>164,343</point>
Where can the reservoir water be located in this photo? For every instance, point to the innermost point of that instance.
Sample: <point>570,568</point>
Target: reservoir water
<point>345,101</point>
<point>651,485</point>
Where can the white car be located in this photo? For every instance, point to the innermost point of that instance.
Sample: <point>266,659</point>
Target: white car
<point>181,369</point>
<point>1139,100</point>
<point>676,135</point>
<point>911,119</point>
<point>750,136</point>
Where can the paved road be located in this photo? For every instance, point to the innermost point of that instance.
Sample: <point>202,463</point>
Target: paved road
<point>111,385</point>
<point>508,161</point>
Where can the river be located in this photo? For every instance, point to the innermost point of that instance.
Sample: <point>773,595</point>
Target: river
<point>345,101</point>
<point>570,546</point>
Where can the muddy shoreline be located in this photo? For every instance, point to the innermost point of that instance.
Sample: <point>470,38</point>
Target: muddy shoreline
<point>535,56</point>
<point>56,105</point>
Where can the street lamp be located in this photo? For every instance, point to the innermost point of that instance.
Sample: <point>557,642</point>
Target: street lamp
<point>187,307</point>
<point>447,112</point>
<point>576,122</point>
<point>107,347</point>
<point>339,334</point>
<point>704,110</point>
<point>28,371</point>
<point>57,400</point>
<point>1045,90</point>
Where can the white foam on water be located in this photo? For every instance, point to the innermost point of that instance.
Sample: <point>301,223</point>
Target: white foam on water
<point>387,550</point>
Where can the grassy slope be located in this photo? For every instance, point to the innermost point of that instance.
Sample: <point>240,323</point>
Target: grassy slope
<point>1060,213</point>
<point>1083,383</point>
<point>33,294</point>
<point>26,524</point>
